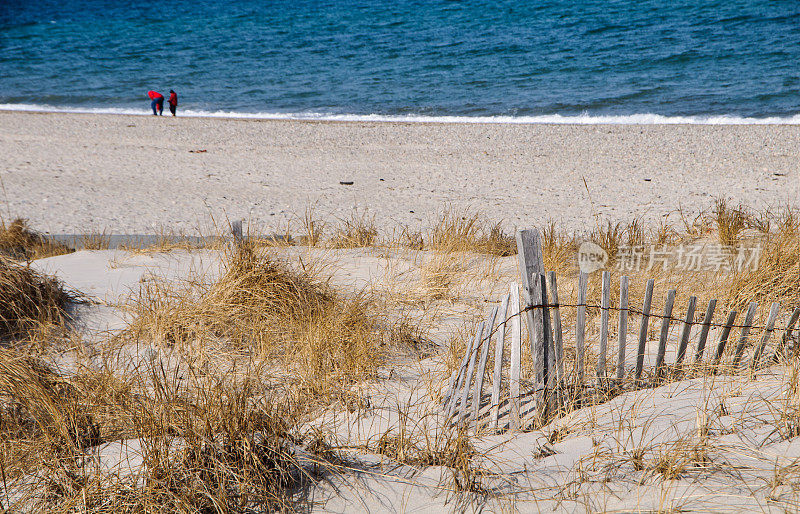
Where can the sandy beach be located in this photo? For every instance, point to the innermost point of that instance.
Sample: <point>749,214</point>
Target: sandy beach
<point>73,173</point>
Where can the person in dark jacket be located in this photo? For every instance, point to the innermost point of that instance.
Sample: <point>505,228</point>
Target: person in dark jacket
<point>173,102</point>
<point>157,102</point>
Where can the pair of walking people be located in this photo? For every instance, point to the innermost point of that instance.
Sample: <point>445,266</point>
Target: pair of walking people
<point>157,102</point>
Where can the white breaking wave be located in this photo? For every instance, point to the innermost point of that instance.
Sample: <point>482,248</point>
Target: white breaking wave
<point>583,119</point>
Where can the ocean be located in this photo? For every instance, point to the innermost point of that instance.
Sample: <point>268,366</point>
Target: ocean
<point>677,61</point>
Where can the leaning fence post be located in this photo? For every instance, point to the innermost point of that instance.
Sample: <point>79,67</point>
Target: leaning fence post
<point>531,264</point>
<point>701,342</point>
<point>558,337</point>
<point>516,357</point>
<point>648,299</point>
<point>486,339</point>
<point>605,303</point>
<point>723,338</point>
<point>745,333</point>
<point>464,413</point>
<point>580,328</point>
<point>623,326</point>
<point>497,376</point>
<point>662,340</point>
<point>773,315</point>
<point>787,334</point>
<point>457,384</point>
<point>687,330</point>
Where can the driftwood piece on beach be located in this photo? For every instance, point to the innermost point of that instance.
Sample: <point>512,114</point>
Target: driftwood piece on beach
<point>605,303</point>
<point>683,342</point>
<point>623,326</point>
<point>773,315</point>
<point>723,338</point>
<point>486,339</point>
<point>580,328</point>
<point>648,299</point>
<point>745,333</point>
<point>701,341</point>
<point>499,347</point>
<point>516,357</point>
<point>665,322</point>
<point>531,264</point>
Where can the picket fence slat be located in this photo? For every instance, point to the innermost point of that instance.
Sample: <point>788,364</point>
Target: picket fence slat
<point>516,357</point>
<point>497,376</point>
<point>648,300</point>
<point>701,341</point>
<point>605,303</point>
<point>687,330</point>
<point>558,336</point>
<point>723,338</point>
<point>787,334</point>
<point>665,322</point>
<point>580,326</point>
<point>623,326</point>
<point>463,413</point>
<point>486,339</point>
<point>773,315</point>
<point>745,333</point>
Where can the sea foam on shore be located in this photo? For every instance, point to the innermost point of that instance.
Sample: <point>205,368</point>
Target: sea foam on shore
<point>583,119</point>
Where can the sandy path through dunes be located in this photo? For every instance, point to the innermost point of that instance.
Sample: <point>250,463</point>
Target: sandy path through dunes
<point>132,174</point>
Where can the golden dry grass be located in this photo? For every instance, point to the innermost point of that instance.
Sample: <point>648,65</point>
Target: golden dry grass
<point>28,301</point>
<point>19,242</point>
<point>225,438</point>
<point>465,231</point>
<point>261,306</point>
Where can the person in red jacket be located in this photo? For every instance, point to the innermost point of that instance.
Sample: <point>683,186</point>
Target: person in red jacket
<point>157,102</point>
<point>173,102</point>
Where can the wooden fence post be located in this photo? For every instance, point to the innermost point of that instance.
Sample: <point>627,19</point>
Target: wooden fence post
<point>745,333</point>
<point>580,329</point>
<point>531,264</point>
<point>558,337</point>
<point>723,338</point>
<point>464,413</point>
<point>701,342</point>
<point>787,334</point>
<point>485,342</point>
<point>623,327</point>
<point>662,340</point>
<point>687,330</point>
<point>458,383</point>
<point>648,299</point>
<point>236,230</point>
<point>773,315</point>
<point>605,303</point>
<point>497,376</point>
<point>516,357</point>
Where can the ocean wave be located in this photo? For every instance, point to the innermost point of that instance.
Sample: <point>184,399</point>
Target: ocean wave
<point>582,119</point>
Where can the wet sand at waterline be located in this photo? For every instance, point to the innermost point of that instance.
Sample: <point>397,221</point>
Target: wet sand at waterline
<point>137,174</point>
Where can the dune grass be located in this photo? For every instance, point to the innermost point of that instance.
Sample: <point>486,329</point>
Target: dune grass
<point>29,301</point>
<point>234,432</point>
<point>18,241</point>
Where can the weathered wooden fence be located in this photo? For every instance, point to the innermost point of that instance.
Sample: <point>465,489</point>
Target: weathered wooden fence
<point>552,388</point>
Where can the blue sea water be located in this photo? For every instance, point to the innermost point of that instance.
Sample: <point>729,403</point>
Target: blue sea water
<point>551,60</point>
